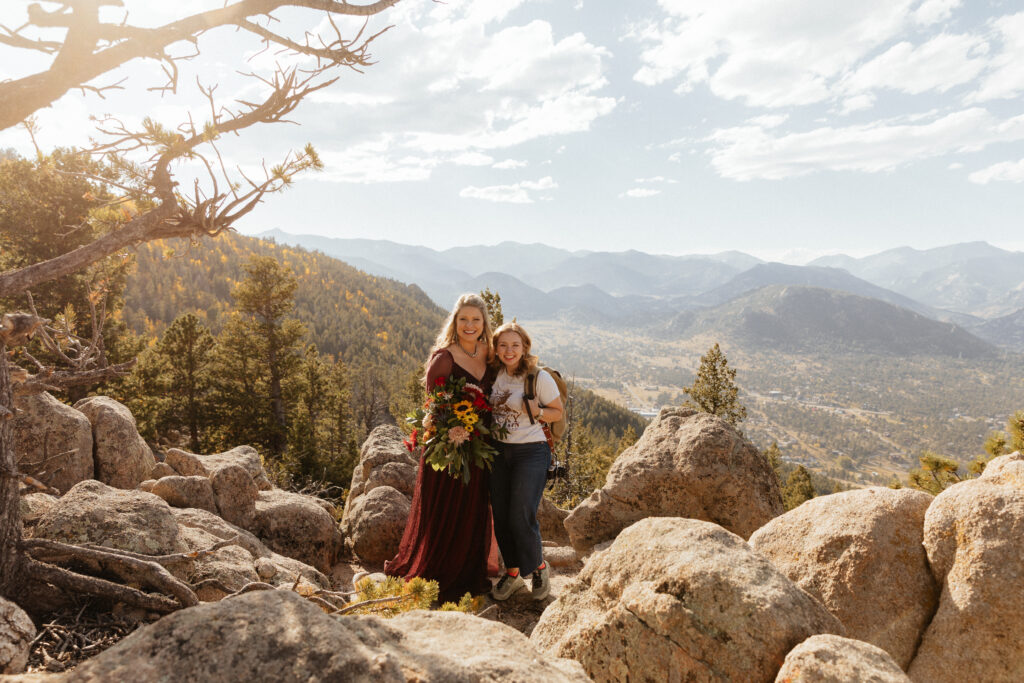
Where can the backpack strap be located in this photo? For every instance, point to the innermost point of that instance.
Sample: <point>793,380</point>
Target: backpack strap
<point>530,392</point>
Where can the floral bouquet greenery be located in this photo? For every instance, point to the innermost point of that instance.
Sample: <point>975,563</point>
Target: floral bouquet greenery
<point>450,429</point>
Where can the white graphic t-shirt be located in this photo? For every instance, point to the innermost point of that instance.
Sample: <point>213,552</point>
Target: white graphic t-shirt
<point>509,410</point>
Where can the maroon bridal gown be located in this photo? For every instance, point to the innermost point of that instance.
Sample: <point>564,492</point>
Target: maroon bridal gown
<point>448,534</point>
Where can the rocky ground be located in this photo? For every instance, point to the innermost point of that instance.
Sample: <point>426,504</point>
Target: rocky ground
<point>682,567</point>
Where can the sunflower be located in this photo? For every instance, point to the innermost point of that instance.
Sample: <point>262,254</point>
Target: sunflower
<point>462,407</point>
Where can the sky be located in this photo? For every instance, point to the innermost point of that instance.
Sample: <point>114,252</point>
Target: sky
<point>786,129</point>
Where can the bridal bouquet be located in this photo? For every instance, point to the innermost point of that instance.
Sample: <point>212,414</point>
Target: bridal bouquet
<point>450,430</point>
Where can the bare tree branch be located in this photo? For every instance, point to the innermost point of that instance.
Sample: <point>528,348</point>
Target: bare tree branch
<point>128,568</point>
<point>81,58</point>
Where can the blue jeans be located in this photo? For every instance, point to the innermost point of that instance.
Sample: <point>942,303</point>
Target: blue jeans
<point>517,484</point>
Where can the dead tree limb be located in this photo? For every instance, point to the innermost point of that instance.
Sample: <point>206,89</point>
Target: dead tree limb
<point>128,568</point>
<point>91,48</point>
<point>101,588</point>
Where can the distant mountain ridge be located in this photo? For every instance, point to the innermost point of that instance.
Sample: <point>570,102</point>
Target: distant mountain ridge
<point>964,283</point>
<point>972,277</point>
<point>798,318</point>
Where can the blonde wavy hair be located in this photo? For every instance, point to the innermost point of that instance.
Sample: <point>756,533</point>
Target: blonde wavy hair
<point>449,335</point>
<point>528,362</point>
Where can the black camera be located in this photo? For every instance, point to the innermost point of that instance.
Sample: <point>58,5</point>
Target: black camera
<point>556,470</point>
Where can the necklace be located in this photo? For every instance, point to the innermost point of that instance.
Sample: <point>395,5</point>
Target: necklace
<point>476,349</point>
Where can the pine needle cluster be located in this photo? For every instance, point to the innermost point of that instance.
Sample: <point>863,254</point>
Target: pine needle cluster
<point>395,595</point>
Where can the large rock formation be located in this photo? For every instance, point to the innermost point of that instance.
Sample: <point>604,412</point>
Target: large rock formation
<point>278,636</point>
<point>121,456</point>
<point>551,519</point>
<point>974,535</point>
<point>859,552</point>
<point>382,447</point>
<point>235,493</point>
<point>33,506</point>
<point>833,659</point>
<point>385,464</point>
<point>92,512</point>
<point>680,599</point>
<point>185,492</point>
<point>279,570</point>
<point>192,464</point>
<point>52,441</point>
<point>297,526</point>
<point>376,524</point>
<point>686,464</point>
<point>16,634</point>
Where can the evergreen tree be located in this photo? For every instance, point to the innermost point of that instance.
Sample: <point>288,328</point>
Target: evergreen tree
<point>714,390</point>
<point>265,298</point>
<point>186,349</point>
<point>628,438</point>
<point>409,398</point>
<point>935,474</point>
<point>493,301</point>
<point>798,488</point>
<point>238,378</point>
<point>774,457</point>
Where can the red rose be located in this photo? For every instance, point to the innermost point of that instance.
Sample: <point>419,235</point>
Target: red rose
<point>440,381</point>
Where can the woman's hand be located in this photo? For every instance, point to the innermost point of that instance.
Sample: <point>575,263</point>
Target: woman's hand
<point>532,407</point>
<point>552,411</point>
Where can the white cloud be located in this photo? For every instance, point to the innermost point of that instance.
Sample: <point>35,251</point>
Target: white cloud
<point>769,120</point>
<point>640,193</point>
<point>1007,171</point>
<point>351,99</point>
<point>367,163</point>
<point>748,152</point>
<point>765,52</point>
<point>655,179</point>
<point>1006,78</point>
<point>510,164</point>
<point>857,103</point>
<point>934,11</point>
<point>472,159</point>
<point>519,193</point>
<point>454,79</point>
<point>939,64</point>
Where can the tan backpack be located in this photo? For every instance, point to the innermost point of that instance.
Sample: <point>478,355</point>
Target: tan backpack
<point>555,429</point>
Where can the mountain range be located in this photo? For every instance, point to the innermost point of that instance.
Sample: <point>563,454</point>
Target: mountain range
<point>976,286</point>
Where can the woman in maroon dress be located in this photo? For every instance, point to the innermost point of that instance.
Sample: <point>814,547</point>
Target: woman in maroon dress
<point>448,534</point>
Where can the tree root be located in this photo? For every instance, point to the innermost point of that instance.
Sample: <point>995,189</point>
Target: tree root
<point>166,560</point>
<point>90,585</point>
<point>131,569</point>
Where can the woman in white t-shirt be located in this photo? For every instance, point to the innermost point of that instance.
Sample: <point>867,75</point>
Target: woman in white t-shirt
<point>521,465</point>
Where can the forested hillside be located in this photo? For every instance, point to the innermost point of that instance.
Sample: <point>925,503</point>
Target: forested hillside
<point>359,317</point>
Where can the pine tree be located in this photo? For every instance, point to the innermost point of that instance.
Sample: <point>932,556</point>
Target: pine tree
<point>714,390</point>
<point>798,488</point>
<point>935,474</point>
<point>266,298</point>
<point>493,301</point>
<point>411,397</point>
<point>774,457</point>
<point>186,348</point>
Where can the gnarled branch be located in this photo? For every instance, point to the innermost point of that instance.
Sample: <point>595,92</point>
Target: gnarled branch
<point>81,58</point>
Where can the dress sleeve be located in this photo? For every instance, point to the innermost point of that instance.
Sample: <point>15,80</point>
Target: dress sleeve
<point>440,365</point>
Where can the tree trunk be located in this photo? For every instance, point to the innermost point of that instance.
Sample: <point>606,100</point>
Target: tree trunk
<point>10,514</point>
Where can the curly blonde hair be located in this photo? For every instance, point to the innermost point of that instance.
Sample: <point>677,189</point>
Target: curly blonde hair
<point>528,362</point>
<point>449,335</point>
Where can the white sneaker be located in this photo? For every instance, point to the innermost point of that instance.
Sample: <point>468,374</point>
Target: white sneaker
<point>541,583</point>
<point>507,586</point>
